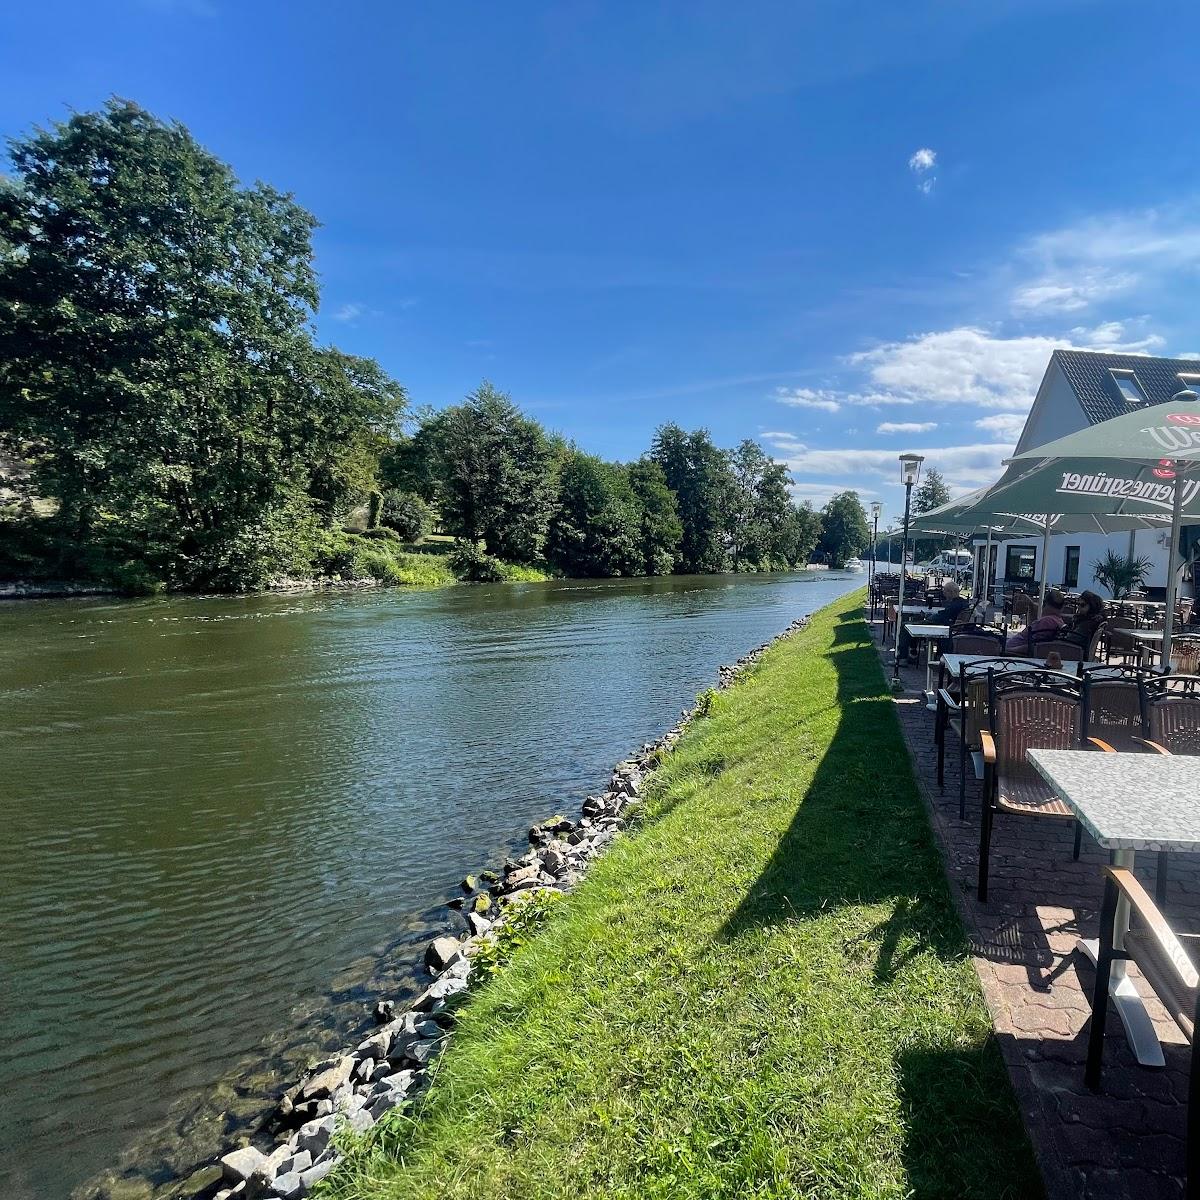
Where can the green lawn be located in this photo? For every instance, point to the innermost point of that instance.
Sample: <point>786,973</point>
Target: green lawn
<point>763,991</point>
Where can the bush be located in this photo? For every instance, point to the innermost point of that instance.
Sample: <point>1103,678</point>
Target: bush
<point>381,533</point>
<point>407,514</point>
<point>472,564</point>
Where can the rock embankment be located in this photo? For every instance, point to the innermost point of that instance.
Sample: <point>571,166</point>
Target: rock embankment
<point>352,1090</point>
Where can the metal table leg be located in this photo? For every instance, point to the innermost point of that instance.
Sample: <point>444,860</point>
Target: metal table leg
<point>1139,1029</point>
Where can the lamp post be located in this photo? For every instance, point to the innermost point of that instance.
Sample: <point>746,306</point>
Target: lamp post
<point>876,509</point>
<point>910,472</point>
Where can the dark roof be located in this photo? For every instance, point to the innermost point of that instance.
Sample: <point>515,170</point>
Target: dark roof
<point>1090,376</point>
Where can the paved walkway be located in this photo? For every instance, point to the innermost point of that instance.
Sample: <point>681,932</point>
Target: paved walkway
<point>1128,1140</point>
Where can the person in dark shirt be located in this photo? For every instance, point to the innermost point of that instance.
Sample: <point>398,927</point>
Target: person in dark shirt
<point>947,615</point>
<point>1088,618</point>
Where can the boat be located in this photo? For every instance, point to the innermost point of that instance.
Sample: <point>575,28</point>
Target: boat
<point>854,566</point>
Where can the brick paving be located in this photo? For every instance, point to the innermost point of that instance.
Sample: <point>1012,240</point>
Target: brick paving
<point>1126,1141</point>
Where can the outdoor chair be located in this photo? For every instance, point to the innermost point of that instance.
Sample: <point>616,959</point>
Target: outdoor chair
<point>1027,710</point>
<point>962,707</point>
<point>1117,639</point>
<point>976,641</point>
<point>1170,711</point>
<point>1167,962</point>
<point>1067,651</point>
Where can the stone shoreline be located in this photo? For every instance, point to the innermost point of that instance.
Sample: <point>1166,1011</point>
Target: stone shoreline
<point>355,1088</point>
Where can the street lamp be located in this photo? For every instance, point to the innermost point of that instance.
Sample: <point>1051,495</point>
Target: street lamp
<point>876,509</point>
<point>910,472</point>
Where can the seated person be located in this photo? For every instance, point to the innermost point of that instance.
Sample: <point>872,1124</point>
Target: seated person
<point>1086,624</point>
<point>1043,628</point>
<point>947,615</point>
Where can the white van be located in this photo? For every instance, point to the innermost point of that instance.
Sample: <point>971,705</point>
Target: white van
<point>952,562</point>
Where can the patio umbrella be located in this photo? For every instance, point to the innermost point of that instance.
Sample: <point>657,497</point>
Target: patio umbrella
<point>1132,467</point>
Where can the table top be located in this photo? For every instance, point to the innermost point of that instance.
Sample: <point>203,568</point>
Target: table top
<point>954,661</point>
<point>1144,635</point>
<point>927,631</point>
<point>1128,801</point>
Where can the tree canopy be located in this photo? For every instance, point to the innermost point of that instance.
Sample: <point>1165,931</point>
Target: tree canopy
<point>845,532</point>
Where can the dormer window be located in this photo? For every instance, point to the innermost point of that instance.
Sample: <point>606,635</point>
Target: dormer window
<point>1127,381</point>
<point>1191,382</point>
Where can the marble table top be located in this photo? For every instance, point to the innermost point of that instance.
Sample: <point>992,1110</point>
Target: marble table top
<point>1128,801</point>
<point>1020,662</point>
<point>927,631</point>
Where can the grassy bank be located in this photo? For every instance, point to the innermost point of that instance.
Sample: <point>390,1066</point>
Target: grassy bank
<point>763,991</point>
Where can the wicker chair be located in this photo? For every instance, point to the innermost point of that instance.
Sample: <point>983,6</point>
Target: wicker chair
<point>976,641</point>
<point>1170,711</point>
<point>963,709</point>
<point>1067,651</point>
<point>1167,962</point>
<point>1027,710</point>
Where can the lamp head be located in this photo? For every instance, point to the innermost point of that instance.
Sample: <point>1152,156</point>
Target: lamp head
<point>876,508</point>
<point>910,468</point>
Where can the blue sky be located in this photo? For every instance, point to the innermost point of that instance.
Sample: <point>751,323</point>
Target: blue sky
<point>847,230</point>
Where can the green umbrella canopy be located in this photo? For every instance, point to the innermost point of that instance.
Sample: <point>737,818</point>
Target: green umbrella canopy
<point>1120,468</point>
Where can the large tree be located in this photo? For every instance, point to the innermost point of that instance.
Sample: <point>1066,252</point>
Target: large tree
<point>929,494</point>
<point>801,533</point>
<point>493,474</point>
<point>156,356</point>
<point>597,524</point>
<point>698,473</point>
<point>844,529</point>
<point>661,530</point>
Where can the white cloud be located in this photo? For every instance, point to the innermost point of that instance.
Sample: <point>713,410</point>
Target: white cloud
<point>819,494</point>
<point>922,160</point>
<point>905,426</point>
<point>969,466</point>
<point>809,398</point>
<point>1007,426</point>
<point>348,312</point>
<point>1107,255</point>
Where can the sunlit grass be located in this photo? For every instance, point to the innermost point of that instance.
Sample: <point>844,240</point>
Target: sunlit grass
<point>763,991</point>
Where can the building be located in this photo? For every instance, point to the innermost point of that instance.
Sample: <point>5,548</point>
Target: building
<point>1081,388</point>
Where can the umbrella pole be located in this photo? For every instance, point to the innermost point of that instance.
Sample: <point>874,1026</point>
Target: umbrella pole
<point>986,578</point>
<point>1173,567</point>
<point>1045,563</point>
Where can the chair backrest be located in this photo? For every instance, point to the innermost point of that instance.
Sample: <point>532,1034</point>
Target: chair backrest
<point>976,641</point>
<point>1112,707</point>
<point>1032,710</point>
<point>1067,651</point>
<point>1170,710</point>
<point>974,684</point>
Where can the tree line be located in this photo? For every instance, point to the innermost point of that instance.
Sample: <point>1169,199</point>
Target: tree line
<point>168,416</point>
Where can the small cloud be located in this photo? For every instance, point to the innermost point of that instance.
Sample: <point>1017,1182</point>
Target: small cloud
<point>1006,426</point>
<point>905,426</point>
<point>808,398</point>
<point>921,163</point>
<point>922,160</point>
<point>348,312</point>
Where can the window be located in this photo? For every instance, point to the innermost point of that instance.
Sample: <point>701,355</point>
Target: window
<point>1071,567</point>
<point>1127,381</point>
<point>1191,382</point>
<point>1019,562</point>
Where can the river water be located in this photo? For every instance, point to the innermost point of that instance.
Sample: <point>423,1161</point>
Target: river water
<point>229,824</point>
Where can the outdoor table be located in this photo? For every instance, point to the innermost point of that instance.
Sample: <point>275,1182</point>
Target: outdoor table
<point>1128,802</point>
<point>929,634</point>
<point>953,662</point>
<point>1147,639</point>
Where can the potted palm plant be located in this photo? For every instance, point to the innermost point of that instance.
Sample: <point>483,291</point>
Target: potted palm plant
<point>1120,573</point>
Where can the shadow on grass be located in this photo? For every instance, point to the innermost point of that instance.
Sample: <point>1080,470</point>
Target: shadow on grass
<point>860,835</point>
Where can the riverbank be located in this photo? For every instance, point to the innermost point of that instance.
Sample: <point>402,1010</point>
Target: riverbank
<point>764,988</point>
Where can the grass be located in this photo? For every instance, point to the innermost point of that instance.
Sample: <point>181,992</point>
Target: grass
<point>763,991</point>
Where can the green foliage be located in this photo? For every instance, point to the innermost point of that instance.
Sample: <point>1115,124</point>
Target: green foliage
<point>471,563</point>
<point>661,530</point>
<point>526,912</point>
<point>493,474</point>
<point>382,533</point>
<point>698,474</point>
<point>1120,573</point>
<point>597,524</point>
<point>844,529</point>
<point>156,349</point>
<point>374,508</point>
<point>705,701</point>
<point>407,514</point>
<point>930,493</point>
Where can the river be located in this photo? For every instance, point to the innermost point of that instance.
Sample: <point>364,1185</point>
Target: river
<point>229,824</point>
